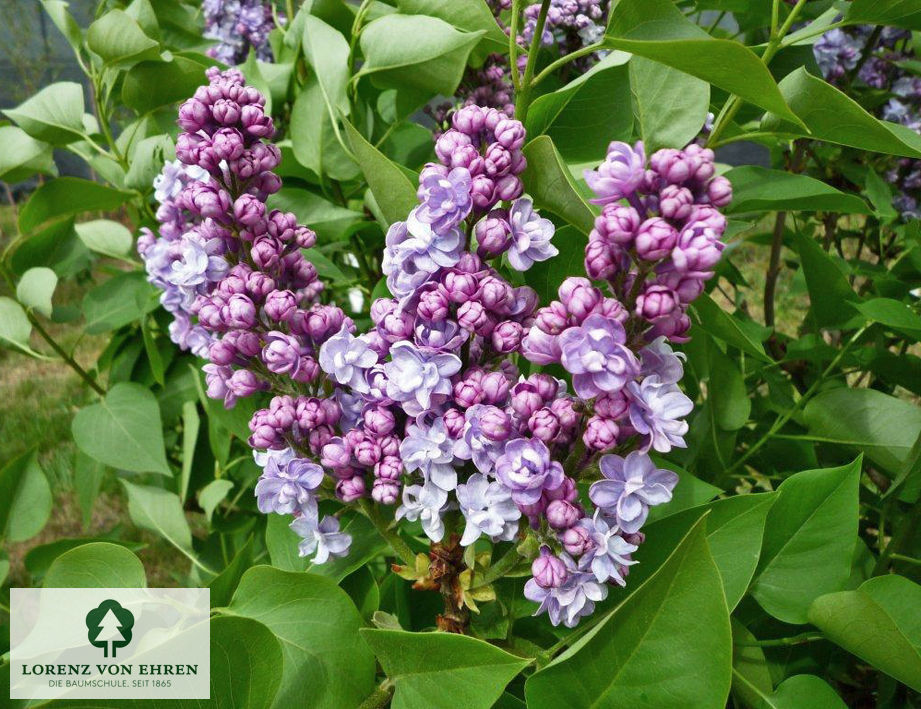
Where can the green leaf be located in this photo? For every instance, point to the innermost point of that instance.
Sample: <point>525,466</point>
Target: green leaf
<point>119,40</point>
<point>328,220</point>
<point>121,300</point>
<point>211,495</point>
<point>313,135</point>
<point>35,289</point>
<point>757,189</point>
<point>191,422</point>
<point>367,544</point>
<point>588,113</point>
<point>735,527</point>
<point>328,53</point>
<point>25,498</point>
<point>147,158</point>
<point>15,328</point>
<point>635,656</point>
<point>671,106</point>
<point>551,185</point>
<point>123,430</point>
<point>893,314</point>
<point>105,237</point>
<point>442,670</point>
<point>728,328</point>
<point>54,114</point>
<point>96,565</point>
<point>394,193</point>
<point>657,30</point>
<point>88,474</point>
<point>808,541</point>
<point>281,542</point>
<point>23,156</point>
<point>326,267</point>
<point>40,558</point>
<point>728,394</point>
<point>896,13</point>
<point>879,192</point>
<point>690,492</point>
<point>416,52</point>
<point>151,84</point>
<point>317,626</point>
<point>64,21</point>
<point>879,622</point>
<point>882,426</point>
<point>832,116</point>
<point>829,290</point>
<point>65,196</point>
<point>751,676</point>
<point>159,511</point>
<point>468,16</point>
<point>225,583</point>
<point>245,661</point>
<point>803,692</point>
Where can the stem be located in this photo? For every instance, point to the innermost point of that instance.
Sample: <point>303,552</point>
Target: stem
<point>562,61</point>
<point>508,562</point>
<point>513,45</point>
<point>380,697</point>
<point>71,362</point>
<point>782,420</point>
<point>770,278</point>
<point>782,642</point>
<point>400,547</point>
<point>523,101</point>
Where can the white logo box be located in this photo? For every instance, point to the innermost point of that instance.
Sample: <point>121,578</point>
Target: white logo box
<point>110,643</point>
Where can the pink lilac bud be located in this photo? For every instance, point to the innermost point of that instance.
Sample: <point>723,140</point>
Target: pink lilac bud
<point>675,202</point>
<point>719,191</point>
<point>545,385</point>
<point>565,412</point>
<point>495,294</point>
<point>548,570</point>
<point>580,297</point>
<point>336,454</point>
<point>510,133</point>
<point>227,144</point>
<point>367,452</point>
<point>655,239</point>
<point>281,354</point>
<point>390,467</point>
<point>614,309</point>
<point>506,337</point>
<point>687,286</point>
<point>562,514</point>
<point>671,165</point>
<point>544,425</point>
<point>222,352</point>
<point>470,120</point>
<point>454,422</point>
<point>244,383</point>
<point>239,312</point>
<point>459,287</point>
<point>495,424</point>
<point>259,285</point>
<point>433,305</point>
<point>266,252</point>
<point>657,302</point>
<point>467,393</point>
<point>525,400</point>
<point>395,326</point>
<point>390,445</point>
<point>483,192</point>
<point>280,305</point>
<point>674,327</point>
<point>255,122</point>
<point>379,420</point>
<point>576,540</point>
<point>450,142</point>
<point>508,188</point>
<point>566,491</point>
<point>599,261</point>
<point>469,263</point>
<point>612,405</point>
<point>617,224</point>
<point>552,319</point>
<point>474,317</point>
<point>248,210</point>
<point>225,112</point>
<point>498,160</point>
<point>385,492</point>
<point>495,386</point>
<point>493,234</point>
<point>600,433</point>
<point>351,489</point>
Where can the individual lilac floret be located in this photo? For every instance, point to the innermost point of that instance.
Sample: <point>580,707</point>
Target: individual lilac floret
<point>526,469</point>
<point>324,538</point>
<point>426,504</point>
<point>445,196</point>
<point>659,359</point>
<point>347,358</point>
<point>415,250</point>
<point>531,235</point>
<point>286,487</point>
<point>488,508</point>
<point>480,440</point>
<point>631,486</point>
<point>549,570</point>
<point>572,600</point>
<point>419,380</point>
<point>619,175</point>
<point>597,356</point>
<point>609,555</point>
<point>656,409</point>
<point>428,449</point>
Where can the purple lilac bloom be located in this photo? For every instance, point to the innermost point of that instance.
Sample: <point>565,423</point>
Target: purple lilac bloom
<point>428,449</point>
<point>415,250</point>
<point>287,487</point>
<point>630,487</point>
<point>445,196</point>
<point>609,555</point>
<point>526,469</point>
<point>656,411</point>
<point>531,235</point>
<point>596,355</point>
<point>238,26</point>
<point>619,175</point>
<point>488,509</point>
<point>426,504</point>
<point>474,444</point>
<point>572,600</point>
<point>347,359</point>
<point>323,539</point>
<point>419,381</point>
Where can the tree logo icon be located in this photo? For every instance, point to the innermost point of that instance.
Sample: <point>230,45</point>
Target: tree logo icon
<point>109,626</point>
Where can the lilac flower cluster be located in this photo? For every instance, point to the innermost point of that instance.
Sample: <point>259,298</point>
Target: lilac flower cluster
<point>238,26</point>
<point>880,67</point>
<point>182,261</point>
<point>570,25</point>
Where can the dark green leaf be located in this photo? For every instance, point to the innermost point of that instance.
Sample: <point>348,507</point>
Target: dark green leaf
<point>551,185</point>
<point>246,658</point>
<point>121,300</point>
<point>96,565</point>
<point>40,558</point>
<point>467,16</point>
<point>671,106</point>
<point>545,277</point>
<point>757,189</point>
<point>149,85</point>
<point>897,13</point>
<point>829,290</point>
<point>25,498</point>
<point>730,329</point>
<point>65,196</point>
<point>106,237</point>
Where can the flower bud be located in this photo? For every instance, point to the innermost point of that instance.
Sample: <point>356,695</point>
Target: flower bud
<point>562,514</point>
<point>350,489</point>
<point>657,302</point>
<point>600,433</point>
<point>576,541</point>
<point>544,425</point>
<point>655,239</point>
<point>506,337</point>
<point>548,570</point>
